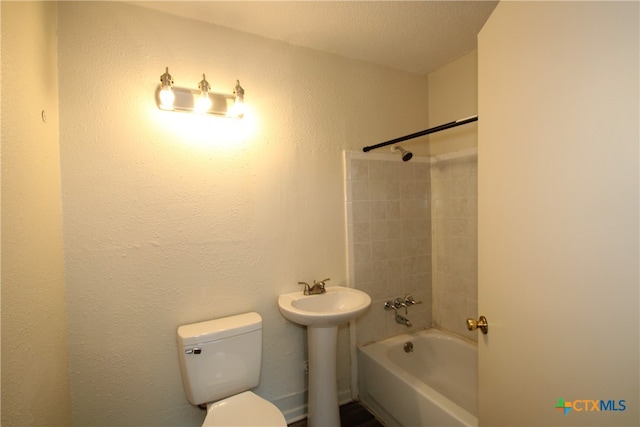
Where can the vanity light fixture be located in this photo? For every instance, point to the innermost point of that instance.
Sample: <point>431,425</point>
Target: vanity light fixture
<point>202,100</point>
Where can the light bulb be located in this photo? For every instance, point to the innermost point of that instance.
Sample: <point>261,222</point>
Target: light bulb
<point>167,97</point>
<point>238,108</point>
<point>203,104</point>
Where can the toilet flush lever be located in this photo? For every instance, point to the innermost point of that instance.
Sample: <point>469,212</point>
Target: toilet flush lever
<point>195,350</point>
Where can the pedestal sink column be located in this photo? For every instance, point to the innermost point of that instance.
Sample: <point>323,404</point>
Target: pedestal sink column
<point>323,408</point>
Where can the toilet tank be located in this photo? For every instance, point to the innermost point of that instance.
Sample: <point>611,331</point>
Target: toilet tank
<point>220,357</point>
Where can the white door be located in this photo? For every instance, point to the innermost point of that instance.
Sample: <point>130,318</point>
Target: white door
<point>558,194</point>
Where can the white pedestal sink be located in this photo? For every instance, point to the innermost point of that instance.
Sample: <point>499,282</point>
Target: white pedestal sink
<point>322,314</point>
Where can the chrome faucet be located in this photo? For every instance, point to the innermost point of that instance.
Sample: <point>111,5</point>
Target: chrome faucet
<point>316,289</point>
<point>395,305</point>
<point>403,320</point>
<point>398,302</point>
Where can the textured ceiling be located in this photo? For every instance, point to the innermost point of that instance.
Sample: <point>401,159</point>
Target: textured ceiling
<point>416,36</point>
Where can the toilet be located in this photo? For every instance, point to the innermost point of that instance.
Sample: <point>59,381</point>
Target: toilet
<point>220,362</point>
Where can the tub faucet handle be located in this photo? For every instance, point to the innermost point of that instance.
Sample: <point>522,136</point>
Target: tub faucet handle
<point>408,299</point>
<point>389,306</point>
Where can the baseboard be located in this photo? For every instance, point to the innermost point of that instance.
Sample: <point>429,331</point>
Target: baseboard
<point>294,406</point>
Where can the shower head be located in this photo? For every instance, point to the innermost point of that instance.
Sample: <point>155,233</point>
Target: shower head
<point>406,155</point>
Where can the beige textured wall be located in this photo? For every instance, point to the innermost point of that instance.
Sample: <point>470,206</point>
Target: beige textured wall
<point>453,95</point>
<point>35,376</point>
<point>171,218</point>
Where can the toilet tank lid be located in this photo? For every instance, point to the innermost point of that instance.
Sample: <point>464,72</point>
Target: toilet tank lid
<point>217,329</point>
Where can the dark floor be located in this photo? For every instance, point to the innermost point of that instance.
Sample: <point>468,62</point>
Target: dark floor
<point>351,415</point>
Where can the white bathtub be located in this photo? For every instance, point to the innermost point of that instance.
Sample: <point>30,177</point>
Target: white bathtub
<point>434,385</point>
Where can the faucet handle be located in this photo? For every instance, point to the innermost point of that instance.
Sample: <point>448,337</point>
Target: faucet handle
<point>321,283</point>
<point>398,302</point>
<point>307,288</point>
<point>408,300</point>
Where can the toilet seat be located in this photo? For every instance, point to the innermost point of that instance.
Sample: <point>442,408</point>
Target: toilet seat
<point>244,409</point>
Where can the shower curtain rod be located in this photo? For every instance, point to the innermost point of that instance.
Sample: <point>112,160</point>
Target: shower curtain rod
<point>449,125</point>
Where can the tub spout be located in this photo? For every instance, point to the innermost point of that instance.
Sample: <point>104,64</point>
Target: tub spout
<point>403,321</point>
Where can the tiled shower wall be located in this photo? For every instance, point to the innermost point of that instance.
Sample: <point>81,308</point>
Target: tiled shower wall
<point>454,198</point>
<point>402,217</point>
<point>389,229</point>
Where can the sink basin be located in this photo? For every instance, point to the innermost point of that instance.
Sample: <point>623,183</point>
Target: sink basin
<point>336,306</point>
